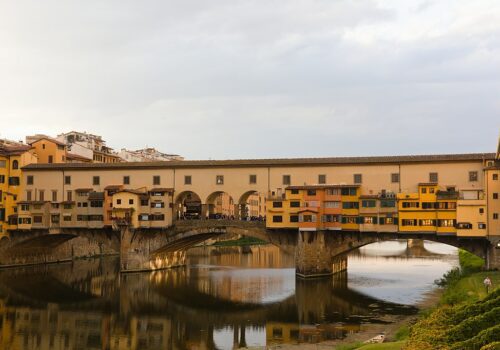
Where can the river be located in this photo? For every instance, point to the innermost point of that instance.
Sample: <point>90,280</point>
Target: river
<point>226,298</point>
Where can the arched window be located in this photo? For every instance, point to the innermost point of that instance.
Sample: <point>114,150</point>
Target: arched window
<point>15,164</point>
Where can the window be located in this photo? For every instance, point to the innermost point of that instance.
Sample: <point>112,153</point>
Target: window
<point>37,219</point>
<point>330,218</point>
<point>358,178</point>
<point>2,179</point>
<point>387,203</point>
<point>66,218</point>
<point>294,191</point>
<point>287,179</point>
<point>410,204</point>
<point>308,218</point>
<point>464,226</point>
<point>188,180</point>
<point>424,190</point>
<point>311,192</point>
<point>144,217</point>
<point>433,177</point>
<point>277,204</point>
<point>131,201</point>
<point>481,210</point>
<point>431,190</point>
<point>495,216</point>
<point>446,223</point>
<point>67,206</point>
<point>495,177</point>
<point>158,205</point>
<point>28,195</point>
<point>277,218</point>
<point>495,195</point>
<point>96,180</point>
<point>322,179</point>
<point>67,180</point>
<point>333,191</point>
<point>349,219</point>
<point>15,164</point>
<point>3,163</point>
<point>51,159</point>
<point>350,205</point>
<point>349,191</point>
<point>156,180</point>
<point>41,195</point>
<point>144,202</point>
<point>55,218</point>
<point>69,196</point>
<point>428,205</point>
<point>427,222</point>
<point>395,177</point>
<point>369,220</point>
<point>29,180</point>
<point>25,207</point>
<point>294,218</point>
<point>332,204</point>
<point>294,204</point>
<point>118,201</point>
<point>252,179</point>
<point>54,196</point>
<point>219,180</point>
<point>96,204</point>
<point>409,222</point>
<point>481,226</point>
<point>472,176</point>
<point>368,204</point>
<point>126,180</point>
<point>14,181</point>
<point>312,204</point>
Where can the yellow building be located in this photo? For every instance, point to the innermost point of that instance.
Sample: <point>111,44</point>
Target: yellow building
<point>13,156</point>
<point>350,207</point>
<point>47,149</point>
<point>471,213</point>
<point>142,208</point>
<point>432,209</point>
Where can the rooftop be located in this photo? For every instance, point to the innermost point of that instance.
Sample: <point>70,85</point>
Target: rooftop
<point>270,162</point>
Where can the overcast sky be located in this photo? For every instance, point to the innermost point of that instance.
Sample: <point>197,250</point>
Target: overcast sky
<point>255,79</point>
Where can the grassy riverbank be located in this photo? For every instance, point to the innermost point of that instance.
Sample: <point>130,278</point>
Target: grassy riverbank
<point>240,242</point>
<point>465,318</point>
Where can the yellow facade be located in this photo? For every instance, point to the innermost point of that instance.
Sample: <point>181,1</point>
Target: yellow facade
<point>350,208</point>
<point>49,150</point>
<point>12,159</point>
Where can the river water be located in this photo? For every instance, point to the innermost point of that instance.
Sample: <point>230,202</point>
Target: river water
<point>227,297</point>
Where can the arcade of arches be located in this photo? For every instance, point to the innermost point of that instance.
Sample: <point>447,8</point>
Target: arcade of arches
<point>220,205</point>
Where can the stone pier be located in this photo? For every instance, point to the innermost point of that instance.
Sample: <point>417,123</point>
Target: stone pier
<point>493,253</point>
<point>138,253</point>
<point>314,256</point>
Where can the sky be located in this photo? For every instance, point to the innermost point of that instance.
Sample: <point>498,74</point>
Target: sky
<point>228,79</point>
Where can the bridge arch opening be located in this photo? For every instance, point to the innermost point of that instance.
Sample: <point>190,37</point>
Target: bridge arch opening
<point>188,206</point>
<point>252,206</point>
<point>220,205</point>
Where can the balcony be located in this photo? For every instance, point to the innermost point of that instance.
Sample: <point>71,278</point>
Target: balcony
<point>447,195</point>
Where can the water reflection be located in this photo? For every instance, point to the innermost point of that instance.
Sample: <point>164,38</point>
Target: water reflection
<point>228,298</point>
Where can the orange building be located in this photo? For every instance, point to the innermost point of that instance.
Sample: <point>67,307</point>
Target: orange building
<point>47,149</point>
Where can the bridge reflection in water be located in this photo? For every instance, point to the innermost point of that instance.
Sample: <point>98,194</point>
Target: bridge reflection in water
<point>229,297</point>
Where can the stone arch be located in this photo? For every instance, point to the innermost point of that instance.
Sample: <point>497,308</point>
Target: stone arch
<point>221,205</point>
<point>188,205</point>
<point>349,242</point>
<point>252,206</point>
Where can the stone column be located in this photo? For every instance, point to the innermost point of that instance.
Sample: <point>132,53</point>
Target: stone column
<point>313,257</point>
<point>493,253</point>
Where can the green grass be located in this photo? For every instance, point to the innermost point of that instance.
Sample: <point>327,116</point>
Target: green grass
<point>384,346</point>
<point>240,242</point>
<point>469,263</point>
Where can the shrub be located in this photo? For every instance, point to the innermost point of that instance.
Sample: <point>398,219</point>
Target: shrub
<point>472,326</point>
<point>492,346</point>
<point>475,309</point>
<point>486,337</point>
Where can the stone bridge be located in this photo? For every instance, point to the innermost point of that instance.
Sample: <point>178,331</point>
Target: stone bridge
<point>317,253</point>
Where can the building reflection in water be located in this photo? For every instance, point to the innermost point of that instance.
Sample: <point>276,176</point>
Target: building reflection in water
<point>227,298</point>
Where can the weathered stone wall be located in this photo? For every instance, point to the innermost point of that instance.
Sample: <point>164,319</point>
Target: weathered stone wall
<point>36,252</point>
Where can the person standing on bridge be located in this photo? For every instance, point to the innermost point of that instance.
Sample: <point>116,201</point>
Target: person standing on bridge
<point>487,284</point>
